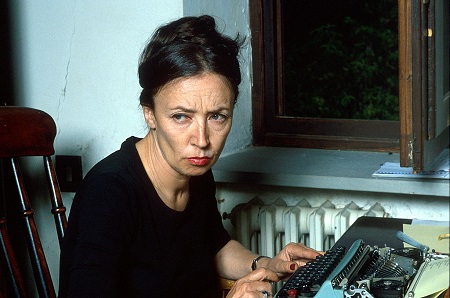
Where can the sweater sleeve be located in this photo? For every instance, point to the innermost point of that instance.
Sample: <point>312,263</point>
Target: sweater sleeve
<point>96,239</point>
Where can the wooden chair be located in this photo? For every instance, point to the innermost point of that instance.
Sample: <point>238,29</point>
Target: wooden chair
<point>225,285</point>
<point>27,132</point>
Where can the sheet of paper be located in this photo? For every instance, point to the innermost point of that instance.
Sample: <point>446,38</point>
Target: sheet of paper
<point>439,170</point>
<point>432,277</point>
<point>393,170</point>
<point>429,235</point>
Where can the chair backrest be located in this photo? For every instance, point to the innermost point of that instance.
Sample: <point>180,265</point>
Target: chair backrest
<point>28,132</point>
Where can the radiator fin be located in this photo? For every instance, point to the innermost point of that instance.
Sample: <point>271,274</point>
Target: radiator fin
<point>266,228</point>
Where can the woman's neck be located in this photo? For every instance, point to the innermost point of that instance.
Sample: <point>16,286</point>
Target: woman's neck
<point>172,188</point>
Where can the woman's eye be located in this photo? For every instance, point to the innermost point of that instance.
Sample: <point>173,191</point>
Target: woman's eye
<point>218,117</point>
<point>179,117</point>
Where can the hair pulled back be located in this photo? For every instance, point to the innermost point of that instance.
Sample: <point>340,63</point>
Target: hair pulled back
<point>184,48</point>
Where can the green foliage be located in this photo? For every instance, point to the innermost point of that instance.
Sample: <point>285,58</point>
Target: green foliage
<point>347,69</point>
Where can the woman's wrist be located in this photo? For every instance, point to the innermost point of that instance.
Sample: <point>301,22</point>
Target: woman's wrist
<point>256,262</point>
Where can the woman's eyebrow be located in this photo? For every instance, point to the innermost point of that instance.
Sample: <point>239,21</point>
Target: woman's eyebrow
<point>182,108</point>
<point>191,110</point>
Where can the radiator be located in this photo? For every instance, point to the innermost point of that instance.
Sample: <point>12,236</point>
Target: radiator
<point>267,228</point>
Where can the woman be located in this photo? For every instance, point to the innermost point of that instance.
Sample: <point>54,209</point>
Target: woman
<point>145,221</point>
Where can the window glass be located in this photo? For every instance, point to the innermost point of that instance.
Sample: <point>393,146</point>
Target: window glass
<point>339,59</point>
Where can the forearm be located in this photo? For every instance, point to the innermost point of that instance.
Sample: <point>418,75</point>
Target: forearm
<point>234,261</point>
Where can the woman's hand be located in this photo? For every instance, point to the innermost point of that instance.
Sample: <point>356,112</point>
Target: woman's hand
<point>255,284</point>
<point>289,259</point>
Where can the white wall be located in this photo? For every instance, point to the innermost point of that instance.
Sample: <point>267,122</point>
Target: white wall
<point>78,62</point>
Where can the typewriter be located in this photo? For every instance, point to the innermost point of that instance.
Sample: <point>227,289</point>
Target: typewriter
<point>361,271</point>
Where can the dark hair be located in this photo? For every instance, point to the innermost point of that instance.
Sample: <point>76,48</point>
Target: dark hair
<point>184,48</point>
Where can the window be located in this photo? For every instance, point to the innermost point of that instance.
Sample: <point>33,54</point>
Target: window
<point>274,127</point>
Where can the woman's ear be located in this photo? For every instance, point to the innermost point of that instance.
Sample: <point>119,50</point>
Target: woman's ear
<point>149,117</point>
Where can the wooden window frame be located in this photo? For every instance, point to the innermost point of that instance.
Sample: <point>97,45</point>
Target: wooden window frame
<point>420,142</point>
<point>410,136</point>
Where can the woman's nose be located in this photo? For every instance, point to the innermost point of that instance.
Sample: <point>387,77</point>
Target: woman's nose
<point>201,136</point>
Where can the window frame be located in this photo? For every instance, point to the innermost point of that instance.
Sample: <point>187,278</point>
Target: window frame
<point>420,142</point>
<point>407,136</point>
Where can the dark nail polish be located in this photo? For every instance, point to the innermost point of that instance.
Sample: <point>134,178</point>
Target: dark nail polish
<point>292,267</point>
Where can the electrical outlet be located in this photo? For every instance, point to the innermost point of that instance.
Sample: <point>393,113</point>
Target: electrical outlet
<point>69,172</point>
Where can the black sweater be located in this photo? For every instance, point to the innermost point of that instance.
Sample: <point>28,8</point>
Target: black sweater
<point>122,240</point>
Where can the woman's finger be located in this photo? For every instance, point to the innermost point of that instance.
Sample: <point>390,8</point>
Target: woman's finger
<point>262,274</point>
<point>258,283</point>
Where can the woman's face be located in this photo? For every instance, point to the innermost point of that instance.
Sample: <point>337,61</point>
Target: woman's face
<point>190,122</point>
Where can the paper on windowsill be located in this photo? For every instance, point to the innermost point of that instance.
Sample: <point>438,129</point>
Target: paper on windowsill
<point>440,170</point>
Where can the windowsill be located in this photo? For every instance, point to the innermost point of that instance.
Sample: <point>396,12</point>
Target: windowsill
<point>324,169</point>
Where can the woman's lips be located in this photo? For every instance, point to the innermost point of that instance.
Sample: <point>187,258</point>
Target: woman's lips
<point>199,161</point>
